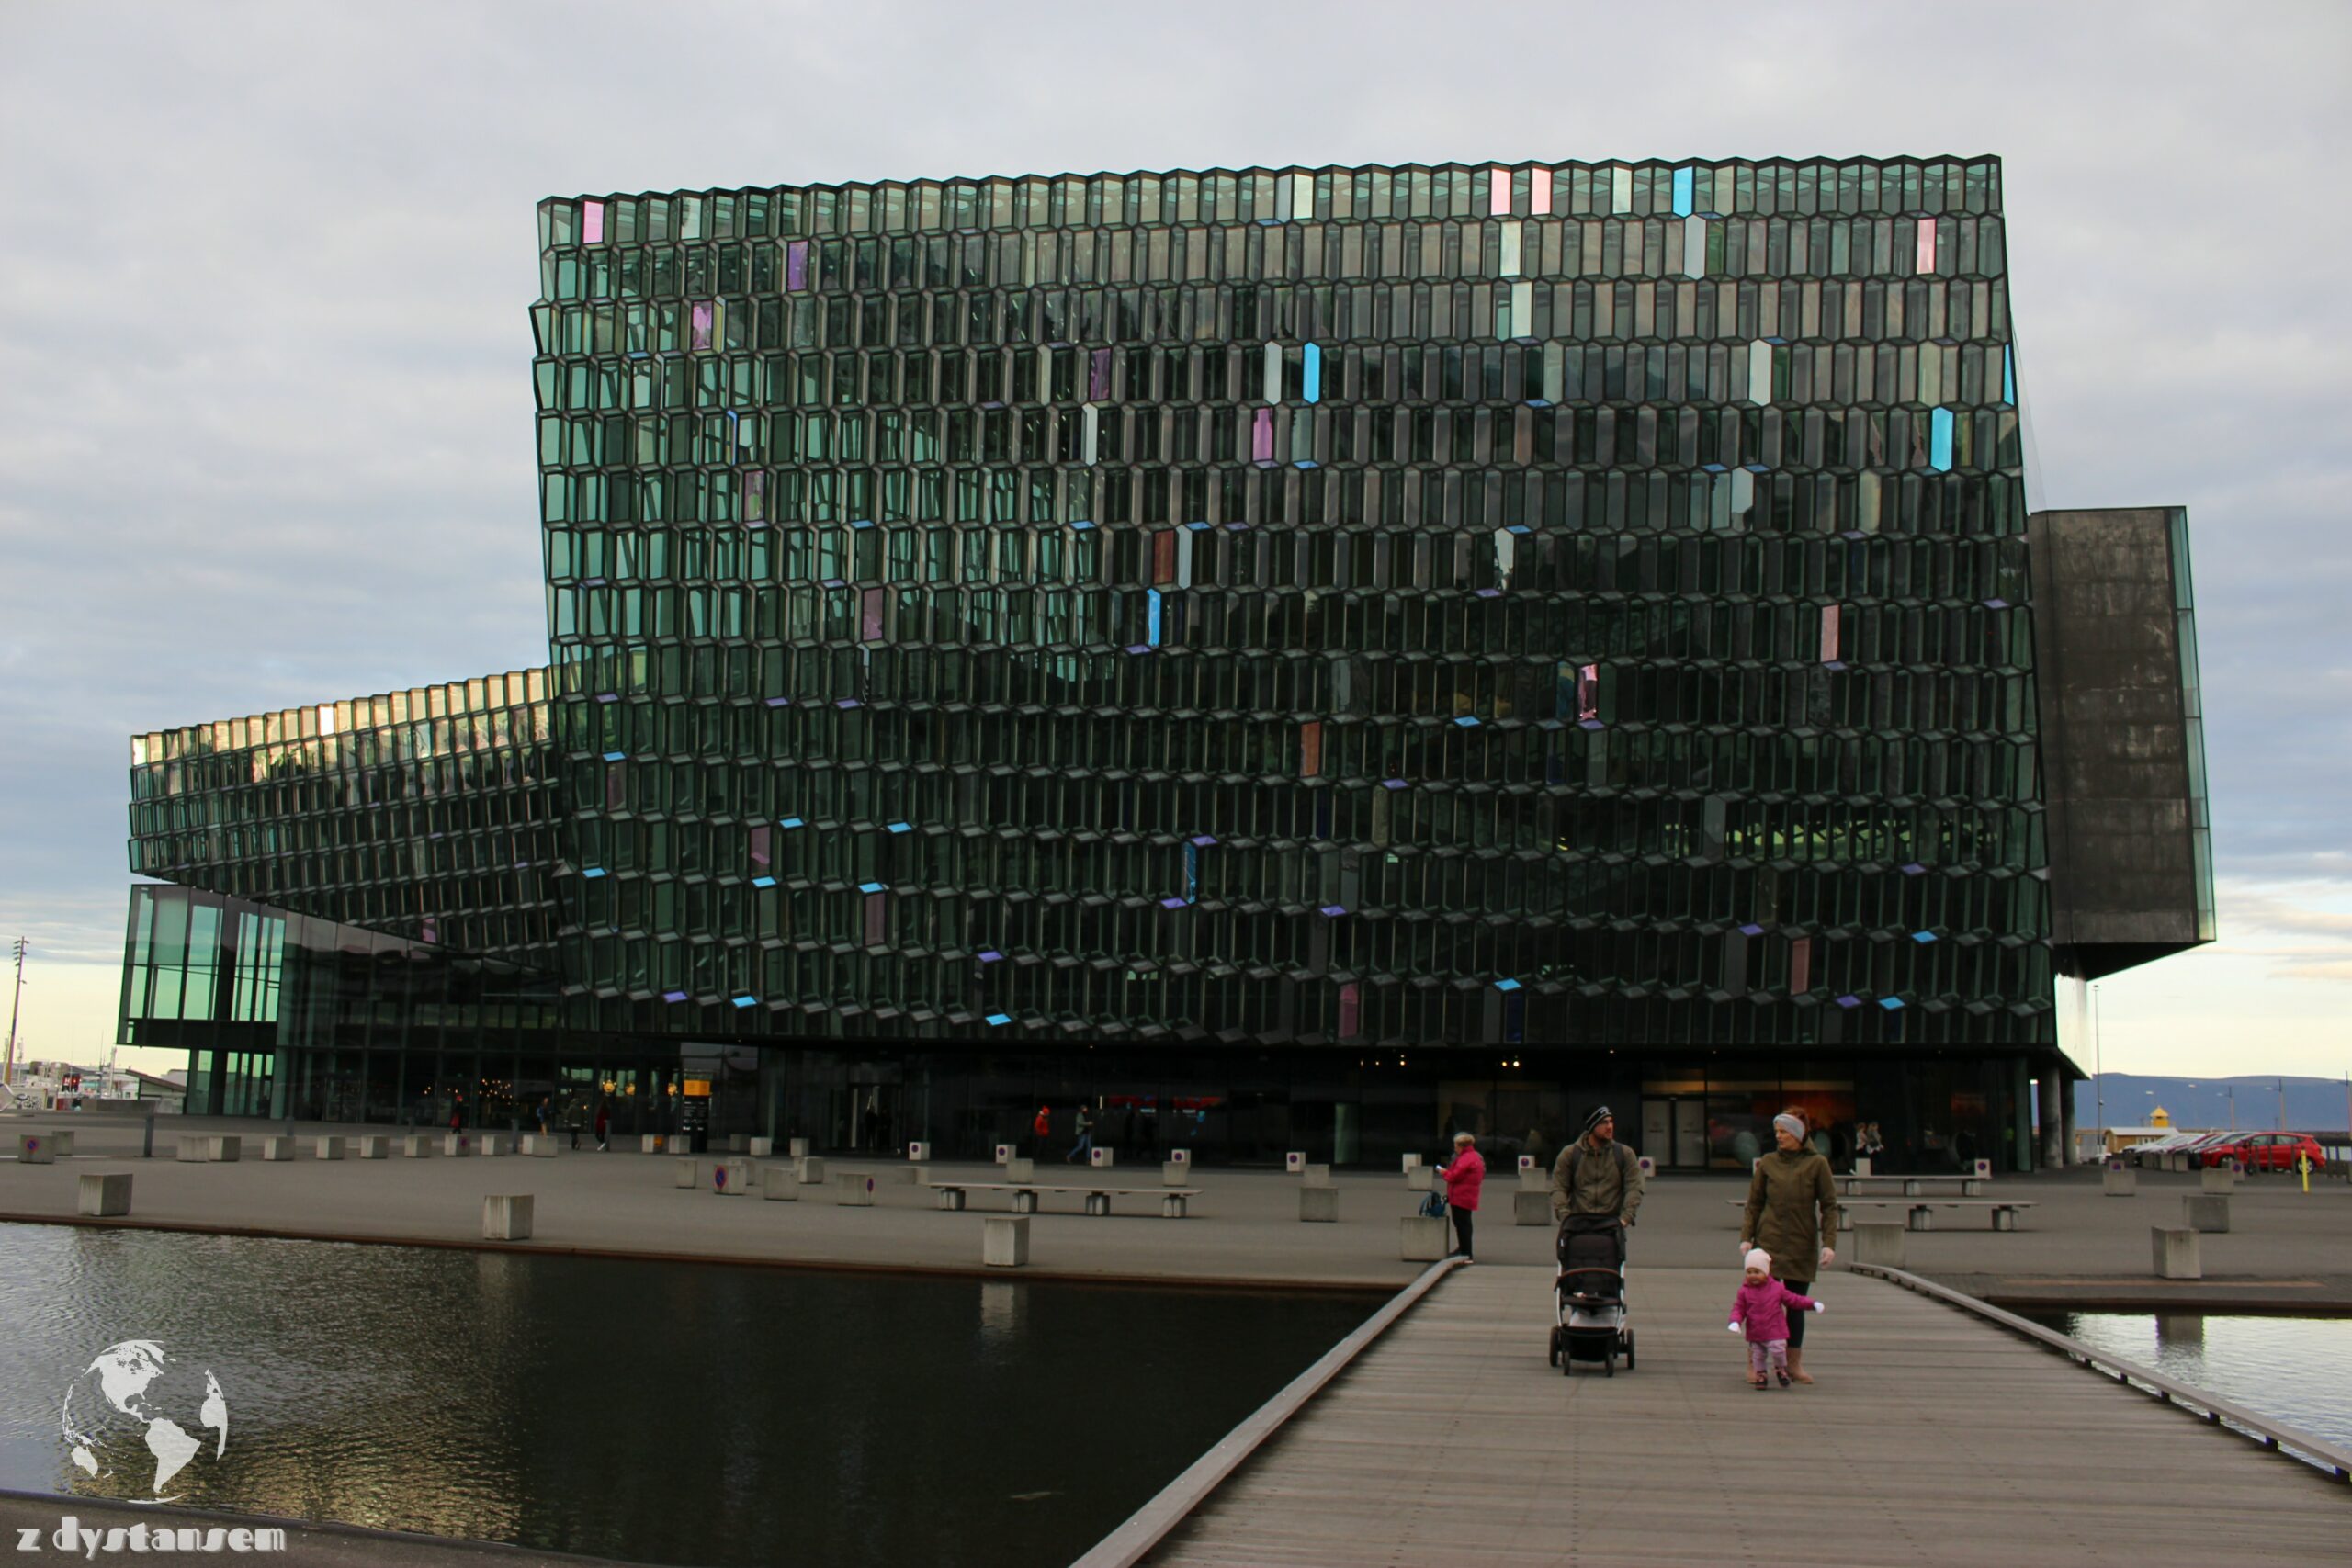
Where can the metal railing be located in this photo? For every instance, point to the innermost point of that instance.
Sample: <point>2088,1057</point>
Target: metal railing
<point>2277,1435</point>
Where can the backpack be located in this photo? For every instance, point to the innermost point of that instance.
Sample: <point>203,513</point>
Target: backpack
<point>1576,1156</point>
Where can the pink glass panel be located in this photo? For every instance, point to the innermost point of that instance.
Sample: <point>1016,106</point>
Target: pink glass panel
<point>1499,190</point>
<point>1350,1009</point>
<point>1588,691</point>
<point>1926,258</point>
<point>1832,629</point>
<point>1261,438</point>
<point>703,315</point>
<point>1540,192</point>
<point>760,856</point>
<point>873,912</point>
<point>591,222</point>
<point>1800,965</point>
<point>870,615</point>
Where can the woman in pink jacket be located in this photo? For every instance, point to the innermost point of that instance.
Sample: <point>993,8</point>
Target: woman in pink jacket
<point>1463,1179</point>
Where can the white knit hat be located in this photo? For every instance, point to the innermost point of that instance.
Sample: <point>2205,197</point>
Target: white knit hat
<point>1757,1259</point>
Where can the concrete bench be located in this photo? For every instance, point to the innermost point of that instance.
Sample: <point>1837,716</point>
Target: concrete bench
<point>2005,1211</point>
<point>1914,1186</point>
<point>1172,1200</point>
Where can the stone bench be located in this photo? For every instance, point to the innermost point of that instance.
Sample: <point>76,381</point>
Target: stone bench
<point>1172,1200</point>
<point>1914,1186</point>
<point>2005,1211</point>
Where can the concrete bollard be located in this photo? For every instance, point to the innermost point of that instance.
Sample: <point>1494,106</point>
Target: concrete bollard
<point>811,1169</point>
<point>1179,1156</point>
<point>2217,1179</point>
<point>763,1148</point>
<point>103,1195</point>
<point>1526,1164</point>
<point>686,1173</point>
<point>493,1144</point>
<point>277,1147</point>
<point>1293,1162</point>
<point>2176,1253</point>
<point>1174,1173</point>
<point>1880,1244</point>
<point>780,1184</point>
<point>919,1153</point>
<point>1981,1170</point>
<point>1020,1169</point>
<point>1004,1241</point>
<point>738,1142</point>
<point>798,1148</point>
<point>416,1146</point>
<point>1861,1165</point>
<point>223,1150</point>
<point>1316,1176</point>
<point>1411,1162</point>
<point>1421,1239</point>
<point>37,1148</point>
<point>327,1149</point>
<point>1647,1166</point>
<point>539,1145</point>
<point>731,1177</point>
<point>191,1149</point>
<point>375,1148</point>
<point>457,1146</point>
<point>649,1142</point>
<point>1536,1181</point>
<point>1421,1179</point>
<point>2206,1212</point>
<point>853,1189</point>
<point>1100,1158</point>
<point>507,1217</point>
<point>2119,1180</point>
<point>1531,1207</point>
<point>1004,1153</point>
<point>1318,1205</point>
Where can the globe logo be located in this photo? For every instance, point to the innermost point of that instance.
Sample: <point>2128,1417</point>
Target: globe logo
<point>136,1394</point>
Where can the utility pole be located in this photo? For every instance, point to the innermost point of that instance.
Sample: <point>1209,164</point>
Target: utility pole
<point>8,1063</point>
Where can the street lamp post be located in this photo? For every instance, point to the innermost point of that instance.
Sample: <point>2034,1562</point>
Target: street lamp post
<point>2099,1065</point>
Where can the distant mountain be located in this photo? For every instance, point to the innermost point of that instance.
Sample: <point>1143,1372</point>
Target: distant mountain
<point>2313,1105</point>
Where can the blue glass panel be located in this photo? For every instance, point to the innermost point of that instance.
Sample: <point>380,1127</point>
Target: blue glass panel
<point>1682,193</point>
<point>1940,442</point>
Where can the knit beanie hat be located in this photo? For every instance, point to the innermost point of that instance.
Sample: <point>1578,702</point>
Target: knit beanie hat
<point>1757,1259</point>
<point>1600,1114</point>
<point>1791,1123</point>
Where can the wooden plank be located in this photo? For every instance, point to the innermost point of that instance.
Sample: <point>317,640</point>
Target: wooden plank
<point>1931,1437</point>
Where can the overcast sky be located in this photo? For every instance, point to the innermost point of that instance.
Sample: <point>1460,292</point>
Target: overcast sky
<point>265,359</point>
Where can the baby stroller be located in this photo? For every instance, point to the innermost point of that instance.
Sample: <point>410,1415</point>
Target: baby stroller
<point>1588,1298</point>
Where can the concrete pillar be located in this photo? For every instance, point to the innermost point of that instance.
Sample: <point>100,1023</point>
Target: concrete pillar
<point>1879,1244</point>
<point>2118,1180</point>
<point>1314,1176</point>
<point>731,1177</point>
<point>2066,1118</point>
<point>1531,1207</point>
<point>2176,1253</point>
<point>506,1217</point>
<point>686,1173</point>
<point>277,1147</point>
<point>1423,1240</point>
<point>1004,1241</point>
<point>374,1148</point>
<point>40,1149</point>
<point>2206,1212</point>
<point>103,1195</point>
<point>2050,1097</point>
<point>1319,1205</point>
<point>1171,1206</point>
<point>780,1184</point>
<point>1098,1204</point>
<point>951,1198</point>
<point>327,1149</point>
<point>852,1191</point>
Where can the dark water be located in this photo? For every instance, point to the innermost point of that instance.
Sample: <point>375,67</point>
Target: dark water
<point>664,1414</point>
<point>2295,1370</point>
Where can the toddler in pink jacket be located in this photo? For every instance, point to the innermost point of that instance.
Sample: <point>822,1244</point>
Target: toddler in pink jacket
<point>1761,1311</point>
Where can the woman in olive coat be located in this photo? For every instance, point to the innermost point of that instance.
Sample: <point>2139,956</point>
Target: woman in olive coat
<point>1793,1214</point>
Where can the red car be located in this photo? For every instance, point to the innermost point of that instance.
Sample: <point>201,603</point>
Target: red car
<point>2266,1151</point>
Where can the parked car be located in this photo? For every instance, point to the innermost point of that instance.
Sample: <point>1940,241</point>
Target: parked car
<point>2153,1152</point>
<point>2264,1151</point>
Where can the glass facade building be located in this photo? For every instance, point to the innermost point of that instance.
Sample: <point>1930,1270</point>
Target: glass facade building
<point>1336,651</point>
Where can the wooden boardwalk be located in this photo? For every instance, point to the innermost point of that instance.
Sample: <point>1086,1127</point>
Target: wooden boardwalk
<point>1929,1438</point>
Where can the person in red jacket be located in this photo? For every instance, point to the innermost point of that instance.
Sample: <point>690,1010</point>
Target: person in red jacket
<point>1463,1179</point>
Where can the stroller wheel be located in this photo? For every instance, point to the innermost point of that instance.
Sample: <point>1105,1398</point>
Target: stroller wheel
<point>1555,1346</point>
<point>1610,1362</point>
<point>1629,1349</point>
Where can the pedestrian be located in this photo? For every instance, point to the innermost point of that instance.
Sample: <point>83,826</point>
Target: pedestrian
<point>547,1116</point>
<point>1597,1175</point>
<point>1041,1127</point>
<point>604,1124</point>
<point>1761,1310</point>
<point>573,1119</point>
<point>1463,1176</point>
<point>1084,1146</point>
<point>1793,1214</point>
<point>457,1114</point>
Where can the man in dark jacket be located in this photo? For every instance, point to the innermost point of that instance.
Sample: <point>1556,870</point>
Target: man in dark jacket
<point>1597,1175</point>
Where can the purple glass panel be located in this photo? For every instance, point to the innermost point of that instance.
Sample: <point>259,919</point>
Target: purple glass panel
<point>1098,380</point>
<point>869,625</point>
<point>673,996</point>
<point>760,857</point>
<point>795,265</point>
<point>875,909</point>
<point>702,319</point>
<point>1261,438</point>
